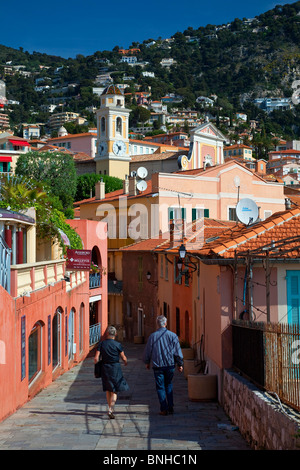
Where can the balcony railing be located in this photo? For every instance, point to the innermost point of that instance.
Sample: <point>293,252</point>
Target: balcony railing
<point>95,280</point>
<point>95,333</point>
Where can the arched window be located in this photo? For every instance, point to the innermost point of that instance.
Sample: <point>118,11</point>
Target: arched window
<point>35,352</point>
<point>102,125</point>
<point>119,125</point>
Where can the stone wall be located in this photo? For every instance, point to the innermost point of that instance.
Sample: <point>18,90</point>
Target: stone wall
<point>261,420</point>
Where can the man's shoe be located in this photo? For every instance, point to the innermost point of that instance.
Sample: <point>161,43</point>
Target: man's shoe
<point>163,413</point>
<point>171,411</point>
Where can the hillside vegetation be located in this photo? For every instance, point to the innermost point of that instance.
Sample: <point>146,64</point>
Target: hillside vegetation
<point>238,62</point>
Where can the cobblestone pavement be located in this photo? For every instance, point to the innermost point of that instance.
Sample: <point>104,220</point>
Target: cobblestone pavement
<point>71,414</point>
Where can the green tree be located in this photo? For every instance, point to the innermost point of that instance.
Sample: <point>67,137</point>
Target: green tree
<point>86,185</point>
<point>139,114</point>
<point>55,169</point>
<point>19,193</point>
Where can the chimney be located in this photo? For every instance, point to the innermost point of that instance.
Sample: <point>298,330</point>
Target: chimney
<point>126,185</point>
<point>100,190</point>
<point>288,204</point>
<point>132,186</point>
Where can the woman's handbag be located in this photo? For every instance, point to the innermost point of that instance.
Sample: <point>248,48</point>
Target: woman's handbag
<point>97,371</point>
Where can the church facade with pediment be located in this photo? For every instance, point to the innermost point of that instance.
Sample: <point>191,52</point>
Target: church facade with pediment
<point>206,148</point>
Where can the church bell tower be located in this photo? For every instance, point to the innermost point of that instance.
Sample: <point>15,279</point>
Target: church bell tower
<point>112,157</point>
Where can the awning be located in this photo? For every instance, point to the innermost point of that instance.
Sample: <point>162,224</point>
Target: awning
<point>19,143</point>
<point>5,158</point>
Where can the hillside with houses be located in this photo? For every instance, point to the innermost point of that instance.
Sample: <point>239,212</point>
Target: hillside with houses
<point>160,179</point>
<point>241,75</point>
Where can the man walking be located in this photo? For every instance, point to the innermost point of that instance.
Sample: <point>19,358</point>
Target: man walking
<point>163,349</point>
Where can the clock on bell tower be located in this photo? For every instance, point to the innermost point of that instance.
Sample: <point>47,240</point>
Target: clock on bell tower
<point>112,157</point>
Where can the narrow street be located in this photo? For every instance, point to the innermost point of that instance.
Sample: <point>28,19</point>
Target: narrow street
<point>71,414</point>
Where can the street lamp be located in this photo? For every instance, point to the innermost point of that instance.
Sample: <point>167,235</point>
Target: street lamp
<point>181,262</point>
<point>182,251</point>
<point>148,275</point>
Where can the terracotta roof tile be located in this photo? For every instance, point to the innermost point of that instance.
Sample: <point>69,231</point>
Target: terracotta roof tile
<point>282,229</point>
<point>212,227</point>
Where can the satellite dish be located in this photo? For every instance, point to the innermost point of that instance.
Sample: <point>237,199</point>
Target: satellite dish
<point>142,172</point>
<point>141,185</point>
<point>247,211</point>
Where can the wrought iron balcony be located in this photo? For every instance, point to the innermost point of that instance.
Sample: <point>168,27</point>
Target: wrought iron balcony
<point>95,280</point>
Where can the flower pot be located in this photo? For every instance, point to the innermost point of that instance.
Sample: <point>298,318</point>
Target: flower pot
<point>202,387</point>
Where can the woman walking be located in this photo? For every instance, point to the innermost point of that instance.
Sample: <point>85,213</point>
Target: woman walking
<point>112,377</point>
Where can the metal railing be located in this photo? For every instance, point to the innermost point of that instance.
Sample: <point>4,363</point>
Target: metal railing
<point>269,355</point>
<point>95,333</point>
<point>95,280</point>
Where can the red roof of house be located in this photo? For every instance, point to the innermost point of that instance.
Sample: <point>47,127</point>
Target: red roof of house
<point>162,243</point>
<point>73,136</point>
<point>285,152</point>
<point>280,233</point>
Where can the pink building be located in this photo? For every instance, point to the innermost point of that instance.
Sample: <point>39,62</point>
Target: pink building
<point>85,142</point>
<point>50,318</point>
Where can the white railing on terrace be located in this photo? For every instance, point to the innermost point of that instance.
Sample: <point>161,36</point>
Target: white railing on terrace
<point>26,278</point>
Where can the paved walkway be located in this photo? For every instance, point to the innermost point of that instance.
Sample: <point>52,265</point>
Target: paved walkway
<point>71,414</point>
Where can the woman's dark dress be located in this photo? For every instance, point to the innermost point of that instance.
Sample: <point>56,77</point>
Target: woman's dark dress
<point>112,376</point>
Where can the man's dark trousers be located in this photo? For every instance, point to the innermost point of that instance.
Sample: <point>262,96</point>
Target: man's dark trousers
<point>164,387</point>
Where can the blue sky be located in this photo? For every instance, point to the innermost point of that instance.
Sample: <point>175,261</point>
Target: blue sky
<point>83,27</point>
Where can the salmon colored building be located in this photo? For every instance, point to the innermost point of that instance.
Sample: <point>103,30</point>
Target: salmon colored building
<point>241,272</point>
<point>133,215</point>
<point>45,322</point>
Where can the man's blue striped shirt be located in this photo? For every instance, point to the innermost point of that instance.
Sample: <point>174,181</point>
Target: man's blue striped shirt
<point>163,349</point>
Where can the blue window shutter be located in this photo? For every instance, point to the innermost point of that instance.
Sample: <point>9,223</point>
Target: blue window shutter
<point>293,296</point>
